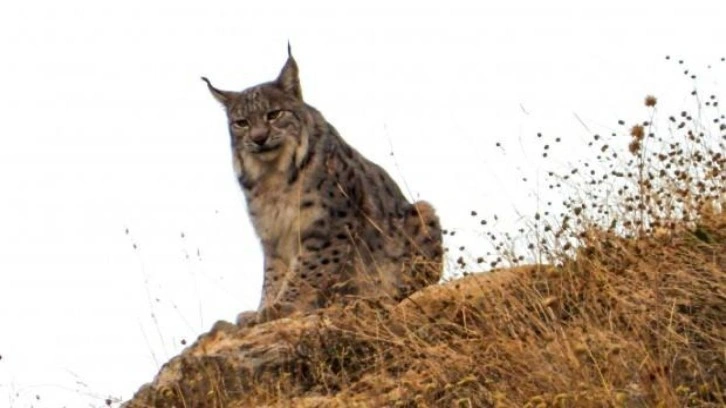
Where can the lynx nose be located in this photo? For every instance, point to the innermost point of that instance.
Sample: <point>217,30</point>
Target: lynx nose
<point>259,135</point>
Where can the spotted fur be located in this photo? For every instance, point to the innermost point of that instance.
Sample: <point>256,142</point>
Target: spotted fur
<point>333,225</point>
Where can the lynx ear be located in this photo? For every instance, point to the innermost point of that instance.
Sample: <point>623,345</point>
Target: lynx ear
<point>288,80</point>
<point>221,96</point>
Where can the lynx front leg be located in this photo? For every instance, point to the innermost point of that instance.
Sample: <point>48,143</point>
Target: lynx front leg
<point>299,287</point>
<point>276,272</point>
<point>273,280</point>
<point>317,278</point>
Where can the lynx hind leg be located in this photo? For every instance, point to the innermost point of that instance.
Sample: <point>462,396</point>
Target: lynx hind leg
<point>422,232</point>
<point>423,229</point>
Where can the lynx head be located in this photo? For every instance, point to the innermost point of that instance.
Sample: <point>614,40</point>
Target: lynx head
<point>267,122</point>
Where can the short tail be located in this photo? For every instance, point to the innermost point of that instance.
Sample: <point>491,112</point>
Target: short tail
<point>422,230</point>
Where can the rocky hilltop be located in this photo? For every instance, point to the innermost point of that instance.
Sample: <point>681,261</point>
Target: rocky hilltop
<point>620,322</point>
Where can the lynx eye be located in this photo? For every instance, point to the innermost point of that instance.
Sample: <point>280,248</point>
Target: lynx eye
<point>241,123</point>
<point>275,114</point>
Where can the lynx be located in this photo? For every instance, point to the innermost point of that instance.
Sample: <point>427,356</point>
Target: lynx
<point>333,225</point>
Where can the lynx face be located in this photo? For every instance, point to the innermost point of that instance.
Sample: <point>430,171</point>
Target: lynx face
<point>263,122</point>
<point>267,123</point>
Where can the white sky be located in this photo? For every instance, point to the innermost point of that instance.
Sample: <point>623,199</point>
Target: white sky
<point>105,126</point>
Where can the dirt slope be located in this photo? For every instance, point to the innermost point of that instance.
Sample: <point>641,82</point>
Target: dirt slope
<point>625,322</point>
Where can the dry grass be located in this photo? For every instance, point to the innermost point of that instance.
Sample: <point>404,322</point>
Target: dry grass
<point>628,308</point>
<point>629,322</point>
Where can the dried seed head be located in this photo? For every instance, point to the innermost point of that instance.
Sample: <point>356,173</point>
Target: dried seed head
<point>637,132</point>
<point>634,146</point>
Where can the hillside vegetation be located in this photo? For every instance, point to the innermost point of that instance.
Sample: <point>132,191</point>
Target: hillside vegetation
<point>626,307</point>
<point>629,322</point>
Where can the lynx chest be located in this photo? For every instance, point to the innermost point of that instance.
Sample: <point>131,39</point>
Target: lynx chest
<point>278,217</point>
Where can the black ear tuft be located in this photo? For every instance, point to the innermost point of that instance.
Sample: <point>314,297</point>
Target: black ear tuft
<point>221,96</point>
<point>289,80</point>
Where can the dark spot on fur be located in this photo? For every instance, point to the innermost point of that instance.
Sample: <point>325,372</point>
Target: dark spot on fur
<point>325,261</point>
<point>341,214</point>
<point>292,173</point>
<point>381,207</point>
<point>341,236</point>
<point>348,151</point>
<point>314,240</point>
<point>245,183</point>
<point>319,223</point>
<point>310,235</point>
<point>307,204</point>
<point>307,159</point>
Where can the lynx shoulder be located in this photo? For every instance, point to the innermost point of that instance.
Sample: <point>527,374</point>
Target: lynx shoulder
<point>333,225</point>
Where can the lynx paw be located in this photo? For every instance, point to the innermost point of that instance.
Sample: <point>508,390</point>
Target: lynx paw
<point>247,319</point>
<point>223,326</point>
